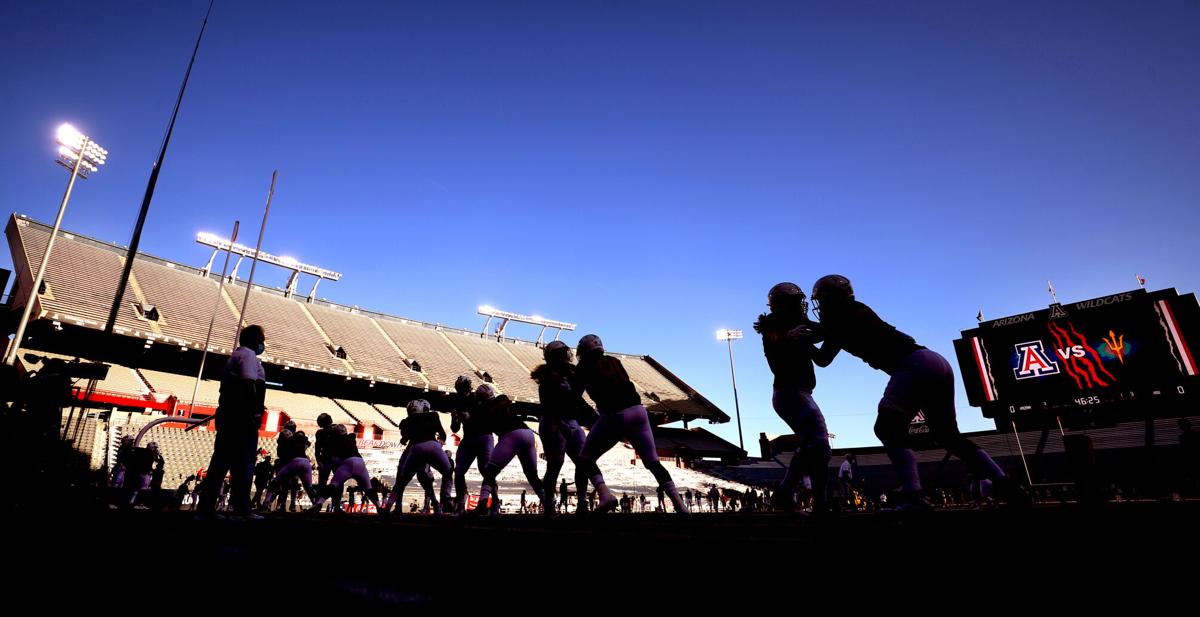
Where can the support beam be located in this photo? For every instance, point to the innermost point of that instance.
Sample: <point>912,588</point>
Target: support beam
<point>291,284</point>
<point>208,266</point>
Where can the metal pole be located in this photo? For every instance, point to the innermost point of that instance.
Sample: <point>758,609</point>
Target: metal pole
<point>11,357</point>
<point>254,263</point>
<point>736,406</point>
<point>1028,477</point>
<point>212,321</point>
<point>145,209</point>
<point>194,422</point>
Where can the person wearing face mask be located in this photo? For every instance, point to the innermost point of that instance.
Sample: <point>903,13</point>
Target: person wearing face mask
<point>239,414</point>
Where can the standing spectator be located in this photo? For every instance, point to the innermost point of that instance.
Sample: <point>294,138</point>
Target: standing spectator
<point>846,479</point>
<point>263,472</point>
<point>239,413</point>
<point>156,478</point>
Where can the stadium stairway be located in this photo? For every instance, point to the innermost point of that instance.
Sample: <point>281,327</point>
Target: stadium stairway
<point>346,409</point>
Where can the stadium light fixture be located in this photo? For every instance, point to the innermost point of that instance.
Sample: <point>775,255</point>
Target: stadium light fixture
<point>729,336</point>
<point>291,263</point>
<point>82,156</point>
<point>492,312</point>
<point>76,150</point>
<point>218,244</point>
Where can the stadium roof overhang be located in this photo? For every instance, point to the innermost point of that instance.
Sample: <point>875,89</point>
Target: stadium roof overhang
<point>695,443</point>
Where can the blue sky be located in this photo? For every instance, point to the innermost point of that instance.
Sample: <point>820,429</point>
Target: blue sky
<point>647,170</point>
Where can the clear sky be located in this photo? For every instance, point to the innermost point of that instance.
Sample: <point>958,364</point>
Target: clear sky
<point>644,169</point>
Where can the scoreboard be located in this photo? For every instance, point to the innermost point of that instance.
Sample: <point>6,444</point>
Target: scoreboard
<point>1127,355</point>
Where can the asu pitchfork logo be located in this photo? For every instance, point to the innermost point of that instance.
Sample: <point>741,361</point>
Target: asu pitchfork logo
<point>1115,345</point>
<point>1032,361</point>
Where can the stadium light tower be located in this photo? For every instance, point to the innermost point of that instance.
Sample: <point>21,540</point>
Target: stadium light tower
<point>82,156</point>
<point>729,336</point>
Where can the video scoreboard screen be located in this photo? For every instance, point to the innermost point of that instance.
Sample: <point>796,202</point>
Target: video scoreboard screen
<point>1129,352</point>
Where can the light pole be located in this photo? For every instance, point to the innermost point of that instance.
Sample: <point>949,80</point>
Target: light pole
<point>729,336</point>
<point>82,156</point>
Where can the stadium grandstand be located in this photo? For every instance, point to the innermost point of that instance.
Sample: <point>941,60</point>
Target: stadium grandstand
<point>359,366</point>
<point>166,308</point>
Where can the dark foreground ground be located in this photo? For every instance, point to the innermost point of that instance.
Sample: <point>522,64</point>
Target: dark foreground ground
<point>1056,558</point>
